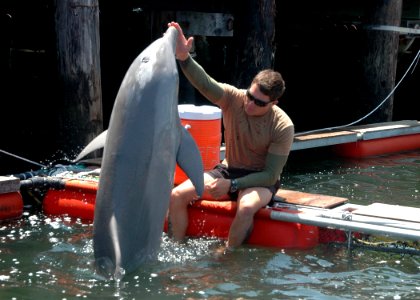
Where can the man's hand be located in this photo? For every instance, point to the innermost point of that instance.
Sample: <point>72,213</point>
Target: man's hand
<point>183,45</point>
<point>218,188</point>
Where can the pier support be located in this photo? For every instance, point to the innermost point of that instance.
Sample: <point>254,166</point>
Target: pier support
<point>254,39</point>
<point>78,40</point>
<point>380,60</point>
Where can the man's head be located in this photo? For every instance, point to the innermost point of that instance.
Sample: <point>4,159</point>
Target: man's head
<point>270,83</point>
<point>265,90</point>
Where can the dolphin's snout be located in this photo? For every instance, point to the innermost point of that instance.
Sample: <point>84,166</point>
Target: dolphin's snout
<point>105,267</point>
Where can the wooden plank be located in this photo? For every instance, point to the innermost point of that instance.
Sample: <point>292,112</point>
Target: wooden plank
<point>301,198</point>
<point>389,211</point>
<point>387,129</point>
<point>325,138</point>
<point>9,184</point>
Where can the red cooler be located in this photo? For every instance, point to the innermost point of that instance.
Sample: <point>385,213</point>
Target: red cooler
<point>205,125</point>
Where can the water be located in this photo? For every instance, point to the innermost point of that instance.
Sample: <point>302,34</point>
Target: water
<point>51,258</point>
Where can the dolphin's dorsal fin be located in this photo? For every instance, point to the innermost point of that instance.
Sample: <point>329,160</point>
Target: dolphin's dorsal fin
<point>189,160</point>
<point>96,144</point>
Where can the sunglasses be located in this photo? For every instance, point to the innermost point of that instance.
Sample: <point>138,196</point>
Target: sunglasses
<point>257,102</point>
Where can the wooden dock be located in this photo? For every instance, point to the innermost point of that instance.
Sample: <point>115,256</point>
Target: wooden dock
<point>356,133</point>
<point>381,134</point>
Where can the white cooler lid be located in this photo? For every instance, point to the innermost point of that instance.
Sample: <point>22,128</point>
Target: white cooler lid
<point>202,112</point>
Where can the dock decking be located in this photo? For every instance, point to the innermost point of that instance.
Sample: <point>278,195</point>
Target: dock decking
<point>392,132</point>
<point>356,133</point>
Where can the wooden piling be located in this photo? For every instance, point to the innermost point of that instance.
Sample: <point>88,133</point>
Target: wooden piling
<point>254,38</point>
<point>380,60</point>
<point>78,44</point>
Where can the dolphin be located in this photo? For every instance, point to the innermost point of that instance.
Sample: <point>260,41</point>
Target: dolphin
<point>144,141</point>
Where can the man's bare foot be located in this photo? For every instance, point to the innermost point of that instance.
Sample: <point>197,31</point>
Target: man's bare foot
<point>223,250</point>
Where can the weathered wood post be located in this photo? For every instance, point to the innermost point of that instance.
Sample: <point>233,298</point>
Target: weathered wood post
<point>78,41</point>
<point>380,61</point>
<point>254,36</point>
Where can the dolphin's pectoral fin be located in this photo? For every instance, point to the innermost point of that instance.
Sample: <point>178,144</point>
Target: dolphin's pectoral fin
<point>189,160</point>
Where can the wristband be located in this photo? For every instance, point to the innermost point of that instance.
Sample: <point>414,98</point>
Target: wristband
<point>233,186</point>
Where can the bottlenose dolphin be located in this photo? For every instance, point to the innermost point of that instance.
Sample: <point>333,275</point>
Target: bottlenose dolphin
<point>144,141</point>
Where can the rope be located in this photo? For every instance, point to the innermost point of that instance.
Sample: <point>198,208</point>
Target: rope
<point>22,158</point>
<point>414,62</point>
<point>387,247</point>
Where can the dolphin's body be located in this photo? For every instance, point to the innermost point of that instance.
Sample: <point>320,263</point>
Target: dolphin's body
<point>145,140</point>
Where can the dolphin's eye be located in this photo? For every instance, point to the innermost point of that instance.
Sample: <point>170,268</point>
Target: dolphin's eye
<point>145,59</point>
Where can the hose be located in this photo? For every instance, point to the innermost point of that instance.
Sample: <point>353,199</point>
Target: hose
<point>42,182</point>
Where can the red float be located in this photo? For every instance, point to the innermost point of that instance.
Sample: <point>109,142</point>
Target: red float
<point>76,200</point>
<point>365,148</point>
<point>11,206</point>
<point>206,218</point>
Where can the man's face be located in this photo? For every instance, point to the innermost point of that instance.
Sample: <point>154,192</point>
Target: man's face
<point>257,104</point>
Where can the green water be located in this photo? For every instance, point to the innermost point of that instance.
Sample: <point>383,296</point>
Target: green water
<point>51,258</point>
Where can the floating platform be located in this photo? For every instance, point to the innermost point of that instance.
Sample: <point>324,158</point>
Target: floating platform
<point>365,140</point>
<point>209,218</point>
<point>297,220</point>
<point>361,141</point>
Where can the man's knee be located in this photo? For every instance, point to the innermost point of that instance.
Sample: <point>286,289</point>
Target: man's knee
<point>176,199</point>
<point>246,212</point>
<point>250,202</point>
<point>181,195</point>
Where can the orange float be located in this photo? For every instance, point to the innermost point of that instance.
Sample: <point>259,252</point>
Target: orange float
<point>365,148</point>
<point>213,219</point>
<point>206,218</point>
<point>11,206</point>
<point>76,200</point>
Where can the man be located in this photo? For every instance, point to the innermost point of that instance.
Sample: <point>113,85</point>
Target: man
<point>258,137</point>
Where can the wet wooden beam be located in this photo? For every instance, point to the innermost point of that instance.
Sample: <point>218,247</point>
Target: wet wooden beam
<point>254,39</point>
<point>207,24</point>
<point>78,41</point>
<point>9,184</point>
<point>380,60</point>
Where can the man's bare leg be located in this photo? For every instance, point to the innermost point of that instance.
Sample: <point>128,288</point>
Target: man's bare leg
<point>181,196</point>
<point>249,202</point>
